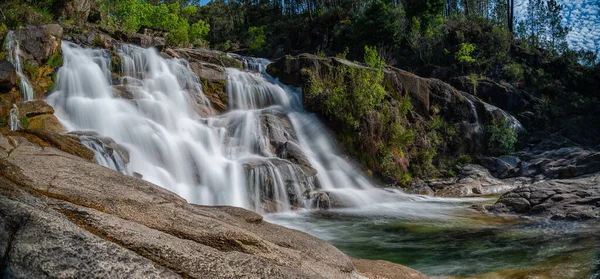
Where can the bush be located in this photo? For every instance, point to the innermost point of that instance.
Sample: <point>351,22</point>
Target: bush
<point>512,72</point>
<point>199,30</point>
<point>501,139</point>
<point>178,37</point>
<point>257,38</point>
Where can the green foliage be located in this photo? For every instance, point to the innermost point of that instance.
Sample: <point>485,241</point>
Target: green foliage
<point>55,61</point>
<point>24,122</point>
<point>464,160</point>
<point>177,37</point>
<point>189,11</point>
<point>463,55</point>
<point>501,139</point>
<point>256,38</point>
<point>512,72</point>
<point>199,30</point>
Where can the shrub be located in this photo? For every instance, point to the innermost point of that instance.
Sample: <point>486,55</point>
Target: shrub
<point>512,72</point>
<point>502,138</point>
<point>199,30</point>
<point>177,37</point>
<point>257,38</point>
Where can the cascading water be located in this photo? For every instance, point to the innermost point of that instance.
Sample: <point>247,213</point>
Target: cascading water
<point>266,153</point>
<point>14,56</point>
<point>14,118</point>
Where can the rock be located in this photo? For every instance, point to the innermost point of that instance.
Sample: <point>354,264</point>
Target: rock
<point>470,180</point>
<point>429,98</point>
<point>328,200</point>
<point>386,270</point>
<point>566,162</point>
<point>79,9</point>
<point>206,56</point>
<point>65,143</point>
<point>8,76</point>
<point>502,95</point>
<point>47,122</point>
<point>570,199</point>
<point>503,166</point>
<point>146,41</point>
<point>213,78</point>
<point>293,152</point>
<point>124,92</point>
<point>275,182</point>
<point>39,43</point>
<point>63,216</point>
<point>116,152</point>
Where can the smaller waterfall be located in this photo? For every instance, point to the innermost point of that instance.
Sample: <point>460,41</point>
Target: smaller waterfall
<point>14,52</point>
<point>14,118</point>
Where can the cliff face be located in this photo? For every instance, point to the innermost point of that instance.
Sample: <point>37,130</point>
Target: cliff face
<point>442,121</point>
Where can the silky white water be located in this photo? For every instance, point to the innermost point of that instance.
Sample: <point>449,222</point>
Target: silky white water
<point>14,56</point>
<point>227,159</point>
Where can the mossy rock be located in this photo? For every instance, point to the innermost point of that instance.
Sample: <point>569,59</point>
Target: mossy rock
<point>47,122</point>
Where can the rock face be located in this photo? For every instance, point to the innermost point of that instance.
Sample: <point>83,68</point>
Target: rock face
<point>429,97</point>
<point>8,75</point>
<point>39,43</point>
<point>62,216</point>
<point>571,199</point>
<point>502,95</point>
<point>79,9</point>
<point>386,270</point>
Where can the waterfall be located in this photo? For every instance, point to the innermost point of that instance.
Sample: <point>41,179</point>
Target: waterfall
<point>265,153</point>
<point>14,56</point>
<point>14,118</point>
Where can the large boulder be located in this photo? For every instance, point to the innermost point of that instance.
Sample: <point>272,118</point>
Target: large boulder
<point>8,76</point>
<point>63,216</point>
<point>502,95</point>
<point>566,162</point>
<point>39,43</point>
<point>471,180</point>
<point>80,9</point>
<point>572,199</point>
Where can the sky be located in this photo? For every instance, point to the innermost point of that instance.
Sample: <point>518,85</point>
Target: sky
<point>583,16</point>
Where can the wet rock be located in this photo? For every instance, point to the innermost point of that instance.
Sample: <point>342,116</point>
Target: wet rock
<point>278,127</point>
<point>62,216</point>
<point>503,166</point>
<point>277,184</point>
<point>39,43</point>
<point>570,199</point>
<point>470,180</point>
<point>386,270</point>
<point>108,145</point>
<point>328,200</point>
<point>8,76</point>
<point>206,56</point>
<point>124,92</point>
<point>293,152</point>
<point>213,78</point>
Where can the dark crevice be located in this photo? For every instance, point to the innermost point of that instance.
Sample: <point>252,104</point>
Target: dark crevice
<point>13,231</point>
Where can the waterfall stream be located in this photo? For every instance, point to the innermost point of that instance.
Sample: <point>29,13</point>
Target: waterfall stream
<point>265,153</point>
<point>14,56</point>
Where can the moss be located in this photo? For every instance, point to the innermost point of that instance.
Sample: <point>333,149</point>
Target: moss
<point>24,122</point>
<point>55,61</point>
<point>230,62</point>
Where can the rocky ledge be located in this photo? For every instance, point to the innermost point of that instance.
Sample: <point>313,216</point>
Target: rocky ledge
<point>64,216</point>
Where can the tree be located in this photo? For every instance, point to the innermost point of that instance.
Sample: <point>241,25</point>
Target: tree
<point>557,33</point>
<point>463,55</point>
